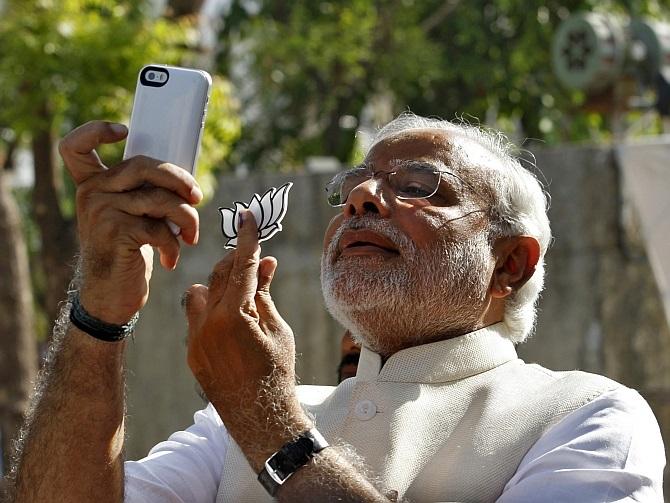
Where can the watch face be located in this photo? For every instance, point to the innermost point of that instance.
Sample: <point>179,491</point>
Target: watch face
<point>291,457</point>
<point>284,463</point>
<point>278,465</point>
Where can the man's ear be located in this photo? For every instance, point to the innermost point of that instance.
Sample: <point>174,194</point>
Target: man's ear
<point>516,260</point>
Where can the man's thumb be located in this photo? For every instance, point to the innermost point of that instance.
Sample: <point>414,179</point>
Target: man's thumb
<point>266,271</point>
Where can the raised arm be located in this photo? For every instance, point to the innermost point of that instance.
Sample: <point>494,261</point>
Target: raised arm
<point>72,442</point>
<point>242,353</point>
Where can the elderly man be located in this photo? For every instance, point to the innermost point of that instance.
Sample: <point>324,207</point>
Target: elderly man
<point>434,264</point>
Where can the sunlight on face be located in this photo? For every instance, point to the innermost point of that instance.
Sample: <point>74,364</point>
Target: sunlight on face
<point>420,296</point>
<point>436,285</point>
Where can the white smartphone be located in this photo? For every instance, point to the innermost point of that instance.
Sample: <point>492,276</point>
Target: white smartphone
<point>168,114</point>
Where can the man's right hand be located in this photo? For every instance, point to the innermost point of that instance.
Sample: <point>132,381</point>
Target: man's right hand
<point>121,213</point>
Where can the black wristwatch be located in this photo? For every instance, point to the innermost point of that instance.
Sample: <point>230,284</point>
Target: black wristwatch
<point>286,461</point>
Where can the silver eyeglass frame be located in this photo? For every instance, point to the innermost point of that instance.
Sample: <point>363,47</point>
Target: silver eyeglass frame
<point>338,180</point>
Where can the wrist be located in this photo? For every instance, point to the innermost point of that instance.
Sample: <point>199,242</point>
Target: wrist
<point>96,328</point>
<point>285,431</point>
<point>105,309</point>
<point>261,442</point>
<point>292,456</point>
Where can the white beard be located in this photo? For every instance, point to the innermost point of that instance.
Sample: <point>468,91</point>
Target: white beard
<point>420,296</point>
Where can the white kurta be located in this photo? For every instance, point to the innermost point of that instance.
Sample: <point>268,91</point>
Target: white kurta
<point>458,420</point>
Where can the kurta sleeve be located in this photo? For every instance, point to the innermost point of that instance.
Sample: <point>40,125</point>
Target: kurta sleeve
<point>186,468</point>
<point>608,450</point>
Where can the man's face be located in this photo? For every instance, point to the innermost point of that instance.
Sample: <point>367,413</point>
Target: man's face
<point>398,272</point>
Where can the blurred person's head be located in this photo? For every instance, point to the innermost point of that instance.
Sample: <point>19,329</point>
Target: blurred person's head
<point>350,352</point>
<point>448,236</point>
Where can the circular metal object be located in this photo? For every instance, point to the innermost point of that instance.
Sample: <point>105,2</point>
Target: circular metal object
<point>589,50</point>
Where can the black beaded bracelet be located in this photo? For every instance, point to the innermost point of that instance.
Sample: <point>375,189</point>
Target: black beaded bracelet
<point>99,329</point>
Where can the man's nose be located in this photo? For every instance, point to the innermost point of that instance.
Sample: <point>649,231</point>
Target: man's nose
<point>370,196</point>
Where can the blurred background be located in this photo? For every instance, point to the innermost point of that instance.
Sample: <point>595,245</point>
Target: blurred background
<point>582,86</point>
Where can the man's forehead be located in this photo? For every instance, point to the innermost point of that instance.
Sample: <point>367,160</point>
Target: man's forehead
<point>412,144</point>
<point>452,148</point>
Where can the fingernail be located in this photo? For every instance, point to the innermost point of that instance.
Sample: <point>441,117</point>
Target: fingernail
<point>196,193</point>
<point>118,128</point>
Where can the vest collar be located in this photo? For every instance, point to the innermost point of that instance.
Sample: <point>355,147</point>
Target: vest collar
<point>441,361</point>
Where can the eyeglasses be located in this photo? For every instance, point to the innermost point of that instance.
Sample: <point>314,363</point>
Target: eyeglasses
<point>413,180</point>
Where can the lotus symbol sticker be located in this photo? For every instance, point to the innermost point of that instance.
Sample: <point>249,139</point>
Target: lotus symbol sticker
<point>268,211</point>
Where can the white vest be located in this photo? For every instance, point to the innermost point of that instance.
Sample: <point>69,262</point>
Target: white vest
<point>447,421</point>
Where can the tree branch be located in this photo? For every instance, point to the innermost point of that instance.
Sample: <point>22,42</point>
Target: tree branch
<point>439,15</point>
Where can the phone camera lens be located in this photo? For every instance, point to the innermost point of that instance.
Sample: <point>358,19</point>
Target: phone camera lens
<point>151,75</point>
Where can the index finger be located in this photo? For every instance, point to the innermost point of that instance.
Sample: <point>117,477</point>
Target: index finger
<point>140,171</point>
<point>244,274</point>
<point>78,147</point>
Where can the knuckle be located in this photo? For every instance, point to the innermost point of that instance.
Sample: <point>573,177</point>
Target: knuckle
<point>167,166</point>
<point>172,169</point>
<point>95,124</point>
<point>82,196</point>
<point>64,146</point>
<point>136,163</point>
<point>248,311</point>
<point>141,159</point>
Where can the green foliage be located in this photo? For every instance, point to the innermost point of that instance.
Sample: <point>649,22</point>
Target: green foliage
<point>319,61</point>
<point>68,61</point>
<point>222,129</point>
<point>314,63</point>
<point>65,62</point>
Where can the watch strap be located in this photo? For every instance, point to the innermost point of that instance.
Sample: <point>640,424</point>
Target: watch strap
<point>287,460</point>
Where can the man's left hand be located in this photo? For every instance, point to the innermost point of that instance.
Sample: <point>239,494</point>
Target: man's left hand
<point>242,352</point>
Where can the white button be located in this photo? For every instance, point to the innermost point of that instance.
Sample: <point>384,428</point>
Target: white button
<point>365,410</point>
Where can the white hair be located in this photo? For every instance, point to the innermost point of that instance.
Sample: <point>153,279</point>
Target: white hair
<point>519,205</point>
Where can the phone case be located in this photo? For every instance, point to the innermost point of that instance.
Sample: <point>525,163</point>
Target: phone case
<point>169,114</point>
